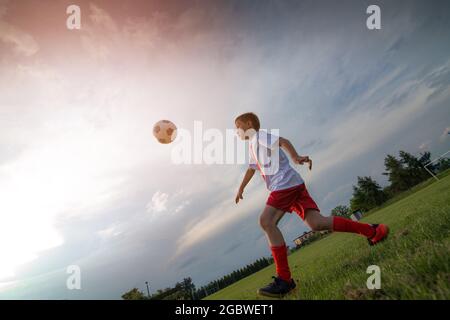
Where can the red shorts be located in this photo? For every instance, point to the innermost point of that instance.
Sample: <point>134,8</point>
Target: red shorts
<point>295,199</point>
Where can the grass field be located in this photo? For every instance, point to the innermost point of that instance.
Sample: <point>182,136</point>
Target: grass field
<point>414,260</point>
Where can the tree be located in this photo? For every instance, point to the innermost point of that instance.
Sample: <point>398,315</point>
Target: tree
<point>388,192</point>
<point>396,174</point>
<point>425,158</point>
<point>443,164</point>
<point>184,290</point>
<point>367,194</point>
<point>188,288</point>
<point>414,167</point>
<point>407,171</point>
<point>341,211</point>
<point>133,294</point>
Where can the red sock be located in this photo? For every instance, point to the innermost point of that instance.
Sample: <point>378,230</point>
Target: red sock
<point>279,254</point>
<point>346,225</point>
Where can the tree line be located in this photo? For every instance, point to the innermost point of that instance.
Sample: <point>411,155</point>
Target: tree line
<point>186,290</point>
<point>403,173</point>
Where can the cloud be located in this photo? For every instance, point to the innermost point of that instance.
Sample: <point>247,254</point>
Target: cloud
<point>332,197</point>
<point>67,157</point>
<point>425,146</point>
<point>105,38</point>
<point>3,9</point>
<point>158,203</point>
<point>359,131</point>
<point>445,135</point>
<point>22,43</point>
<point>99,36</point>
<point>109,232</point>
<point>182,206</point>
<point>7,285</point>
<point>222,215</point>
<point>188,262</point>
<point>234,247</point>
<point>101,18</point>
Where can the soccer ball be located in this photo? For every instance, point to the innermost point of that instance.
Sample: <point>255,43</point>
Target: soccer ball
<point>165,131</point>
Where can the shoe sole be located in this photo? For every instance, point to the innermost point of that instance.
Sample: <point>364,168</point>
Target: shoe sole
<point>384,238</point>
<point>273,295</point>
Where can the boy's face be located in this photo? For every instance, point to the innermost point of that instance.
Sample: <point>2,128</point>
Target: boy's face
<point>244,129</point>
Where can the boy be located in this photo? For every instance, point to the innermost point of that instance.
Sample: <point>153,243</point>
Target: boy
<point>287,194</point>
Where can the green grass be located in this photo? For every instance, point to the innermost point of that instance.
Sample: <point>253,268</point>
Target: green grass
<point>414,260</point>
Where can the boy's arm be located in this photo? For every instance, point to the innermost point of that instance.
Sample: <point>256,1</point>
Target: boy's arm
<point>248,176</point>
<point>287,145</point>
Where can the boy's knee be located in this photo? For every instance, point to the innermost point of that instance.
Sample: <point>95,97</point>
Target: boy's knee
<point>266,223</point>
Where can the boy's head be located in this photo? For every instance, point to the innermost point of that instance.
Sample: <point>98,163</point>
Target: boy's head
<point>246,124</point>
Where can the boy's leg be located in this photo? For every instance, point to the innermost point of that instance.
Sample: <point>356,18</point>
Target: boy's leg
<point>268,222</point>
<point>317,222</point>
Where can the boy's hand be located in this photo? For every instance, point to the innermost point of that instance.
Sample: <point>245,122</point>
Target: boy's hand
<point>303,159</point>
<point>239,195</point>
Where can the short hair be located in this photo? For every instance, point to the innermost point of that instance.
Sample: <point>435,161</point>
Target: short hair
<point>249,116</point>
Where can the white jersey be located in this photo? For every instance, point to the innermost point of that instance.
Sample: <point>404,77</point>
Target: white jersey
<point>267,157</point>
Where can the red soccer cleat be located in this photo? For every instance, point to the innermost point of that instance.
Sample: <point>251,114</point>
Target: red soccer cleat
<point>381,233</point>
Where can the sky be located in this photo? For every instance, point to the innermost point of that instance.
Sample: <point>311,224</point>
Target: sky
<point>83,181</point>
